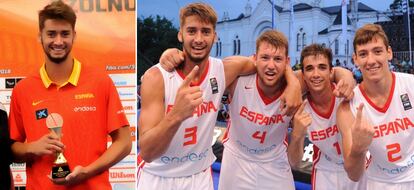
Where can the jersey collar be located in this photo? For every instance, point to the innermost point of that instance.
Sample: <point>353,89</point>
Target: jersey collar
<point>73,79</point>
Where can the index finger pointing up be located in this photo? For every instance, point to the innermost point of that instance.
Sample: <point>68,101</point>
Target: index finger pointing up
<point>190,76</point>
<point>359,114</point>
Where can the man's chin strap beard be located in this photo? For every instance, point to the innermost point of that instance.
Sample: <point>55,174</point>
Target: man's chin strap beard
<point>196,61</point>
<point>57,60</point>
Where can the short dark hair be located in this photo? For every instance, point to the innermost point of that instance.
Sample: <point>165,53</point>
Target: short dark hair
<point>368,32</point>
<point>57,10</point>
<point>316,49</point>
<point>204,11</point>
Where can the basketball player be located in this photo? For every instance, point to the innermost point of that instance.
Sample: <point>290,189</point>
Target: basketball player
<point>379,118</point>
<point>179,108</point>
<point>268,124</point>
<point>254,156</point>
<point>316,118</point>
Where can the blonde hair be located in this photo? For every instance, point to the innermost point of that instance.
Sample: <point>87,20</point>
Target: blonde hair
<point>274,38</point>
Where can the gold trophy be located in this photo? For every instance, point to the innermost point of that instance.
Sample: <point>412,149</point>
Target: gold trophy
<point>60,168</point>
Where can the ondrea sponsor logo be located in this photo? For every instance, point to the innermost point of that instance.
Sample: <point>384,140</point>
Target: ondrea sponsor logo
<point>192,157</point>
<point>84,109</point>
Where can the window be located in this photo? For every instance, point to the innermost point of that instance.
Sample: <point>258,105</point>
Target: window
<point>218,48</point>
<point>303,40</point>
<point>347,47</point>
<point>236,46</point>
<point>300,40</point>
<point>336,47</point>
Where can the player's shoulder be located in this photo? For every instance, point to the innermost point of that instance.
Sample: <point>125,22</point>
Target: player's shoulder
<point>153,74</point>
<point>152,79</point>
<point>215,60</point>
<point>404,76</point>
<point>26,83</point>
<point>344,107</point>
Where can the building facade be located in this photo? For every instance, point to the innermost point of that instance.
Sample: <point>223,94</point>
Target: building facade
<point>310,23</point>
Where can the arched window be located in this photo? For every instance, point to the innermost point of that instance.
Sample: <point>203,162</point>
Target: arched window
<point>236,46</point>
<point>347,47</point>
<point>218,48</point>
<point>300,40</point>
<point>336,47</point>
<point>303,40</point>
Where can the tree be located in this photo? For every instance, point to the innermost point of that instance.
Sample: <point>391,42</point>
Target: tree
<point>154,35</point>
<point>396,6</point>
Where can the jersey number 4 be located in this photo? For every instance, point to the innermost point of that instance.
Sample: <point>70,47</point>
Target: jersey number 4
<point>190,134</point>
<point>260,135</point>
<point>393,150</point>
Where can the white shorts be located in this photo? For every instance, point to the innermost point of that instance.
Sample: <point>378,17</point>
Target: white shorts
<point>199,181</point>
<point>328,180</point>
<point>239,174</point>
<point>371,185</point>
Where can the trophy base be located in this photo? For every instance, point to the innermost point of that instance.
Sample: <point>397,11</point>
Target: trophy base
<point>60,171</point>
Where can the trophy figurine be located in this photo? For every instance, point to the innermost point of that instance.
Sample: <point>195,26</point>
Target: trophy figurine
<point>60,168</point>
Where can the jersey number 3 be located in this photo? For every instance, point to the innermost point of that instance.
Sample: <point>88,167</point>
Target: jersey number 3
<point>190,134</point>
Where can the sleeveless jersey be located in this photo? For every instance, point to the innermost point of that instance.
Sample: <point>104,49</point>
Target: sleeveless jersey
<point>257,131</point>
<point>325,137</point>
<point>190,150</point>
<point>392,148</point>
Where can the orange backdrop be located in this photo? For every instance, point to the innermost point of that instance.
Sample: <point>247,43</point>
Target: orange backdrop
<point>105,35</point>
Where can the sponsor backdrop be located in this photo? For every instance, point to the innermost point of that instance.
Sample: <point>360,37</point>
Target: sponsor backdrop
<point>105,38</point>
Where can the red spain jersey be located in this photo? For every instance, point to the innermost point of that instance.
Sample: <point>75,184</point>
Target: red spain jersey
<point>90,108</point>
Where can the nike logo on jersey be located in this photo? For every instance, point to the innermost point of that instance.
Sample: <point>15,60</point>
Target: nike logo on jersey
<point>247,87</point>
<point>35,103</point>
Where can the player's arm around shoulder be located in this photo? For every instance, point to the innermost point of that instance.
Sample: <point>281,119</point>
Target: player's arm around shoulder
<point>354,161</point>
<point>300,121</point>
<point>345,83</point>
<point>292,95</point>
<point>235,66</point>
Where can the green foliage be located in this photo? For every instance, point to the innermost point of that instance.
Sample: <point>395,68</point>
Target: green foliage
<point>154,35</point>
